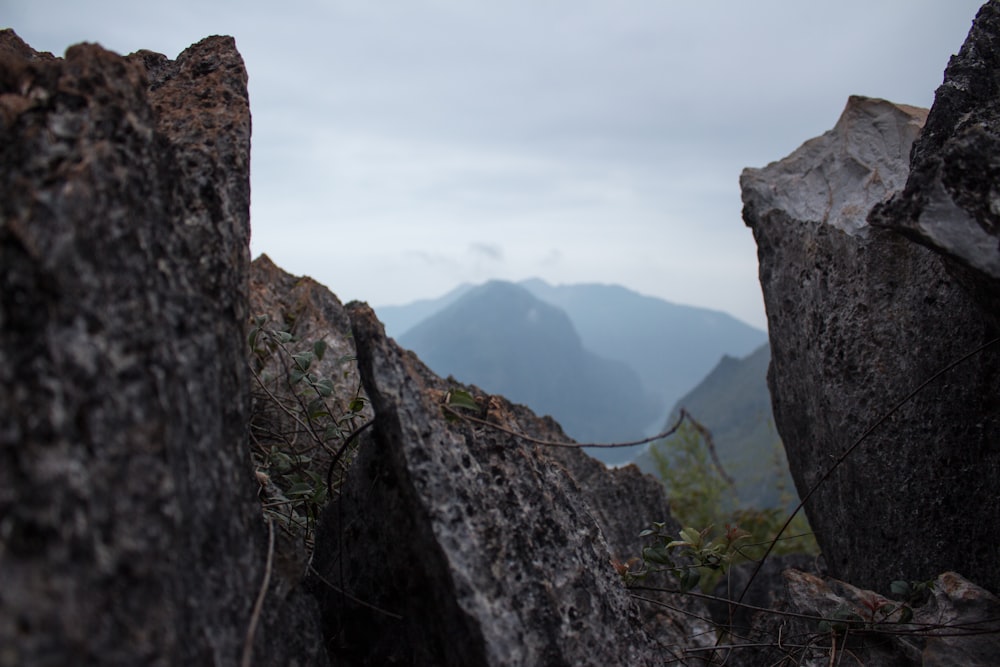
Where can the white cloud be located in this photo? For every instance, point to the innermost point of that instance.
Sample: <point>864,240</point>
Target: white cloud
<point>397,145</point>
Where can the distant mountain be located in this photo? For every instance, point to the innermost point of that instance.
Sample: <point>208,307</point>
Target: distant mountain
<point>671,346</point>
<point>400,319</point>
<point>507,341</point>
<point>733,402</point>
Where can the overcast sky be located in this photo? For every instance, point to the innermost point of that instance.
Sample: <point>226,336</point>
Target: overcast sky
<point>403,147</point>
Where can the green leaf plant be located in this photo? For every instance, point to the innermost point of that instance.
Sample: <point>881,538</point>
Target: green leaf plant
<point>302,431</point>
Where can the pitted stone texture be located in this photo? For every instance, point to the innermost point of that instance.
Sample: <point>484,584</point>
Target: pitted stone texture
<point>957,625</point>
<point>856,323</point>
<point>951,201</point>
<point>475,548</point>
<point>129,533</point>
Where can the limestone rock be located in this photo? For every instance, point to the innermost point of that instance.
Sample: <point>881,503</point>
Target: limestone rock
<point>859,317</point>
<point>951,201</point>
<point>129,533</point>
<point>836,178</point>
<point>957,625</point>
<point>458,544</point>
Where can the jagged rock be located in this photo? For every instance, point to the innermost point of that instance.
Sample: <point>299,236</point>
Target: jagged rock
<point>951,201</point>
<point>957,625</point>
<point>129,532</point>
<point>954,623</point>
<point>858,318</point>
<point>836,178</point>
<point>459,544</point>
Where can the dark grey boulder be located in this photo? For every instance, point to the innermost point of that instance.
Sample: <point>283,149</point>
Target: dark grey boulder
<point>129,529</point>
<point>858,318</point>
<point>951,201</point>
<point>458,544</point>
<point>958,624</point>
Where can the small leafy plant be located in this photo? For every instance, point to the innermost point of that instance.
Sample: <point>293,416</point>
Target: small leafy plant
<point>696,557</point>
<point>300,429</point>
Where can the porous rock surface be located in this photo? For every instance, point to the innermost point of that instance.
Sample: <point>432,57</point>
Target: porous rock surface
<point>951,201</point>
<point>129,530</point>
<point>858,318</point>
<point>459,544</point>
<point>958,624</point>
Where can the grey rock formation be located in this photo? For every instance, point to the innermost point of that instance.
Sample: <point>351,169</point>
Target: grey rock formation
<point>951,201</point>
<point>957,625</point>
<point>458,544</point>
<point>129,533</point>
<point>858,318</point>
<point>836,178</point>
<point>955,622</point>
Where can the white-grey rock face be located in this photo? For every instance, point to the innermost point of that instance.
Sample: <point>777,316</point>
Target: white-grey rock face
<point>838,177</point>
<point>858,317</point>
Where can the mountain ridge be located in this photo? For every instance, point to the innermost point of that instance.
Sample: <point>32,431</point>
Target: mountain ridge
<point>505,340</point>
<point>671,347</point>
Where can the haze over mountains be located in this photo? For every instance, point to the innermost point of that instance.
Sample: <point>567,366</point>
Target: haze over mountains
<point>606,362</point>
<point>733,402</point>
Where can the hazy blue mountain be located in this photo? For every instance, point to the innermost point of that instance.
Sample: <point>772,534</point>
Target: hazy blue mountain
<point>503,339</point>
<point>671,346</point>
<point>400,319</point>
<point>733,402</point>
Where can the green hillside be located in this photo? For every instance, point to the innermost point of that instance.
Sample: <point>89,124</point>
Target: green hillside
<point>733,402</point>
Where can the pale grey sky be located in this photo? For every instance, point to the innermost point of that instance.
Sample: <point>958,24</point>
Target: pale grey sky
<point>403,147</point>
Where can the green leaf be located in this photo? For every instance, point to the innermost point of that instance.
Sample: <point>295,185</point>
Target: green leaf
<point>282,461</point>
<point>299,489</point>
<point>284,337</point>
<point>905,614</point>
<point>646,533</point>
<point>357,404</point>
<point>462,399</point>
<point>319,348</point>
<point>303,360</point>
<point>691,536</point>
<point>901,588</point>
<point>324,386</point>
<point>689,579</point>
<point>656,555</point>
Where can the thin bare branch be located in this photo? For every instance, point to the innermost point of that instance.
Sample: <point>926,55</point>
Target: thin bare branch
<point>571,445</point>
<point>259,604</point>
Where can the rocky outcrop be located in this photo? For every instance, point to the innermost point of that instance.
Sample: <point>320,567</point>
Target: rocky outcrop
<point>957,624</point>
<point>129,532</point>
<point>280,424</point>
<point>460,544</point>
<point>859,317</point>
<point>951,201</point>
